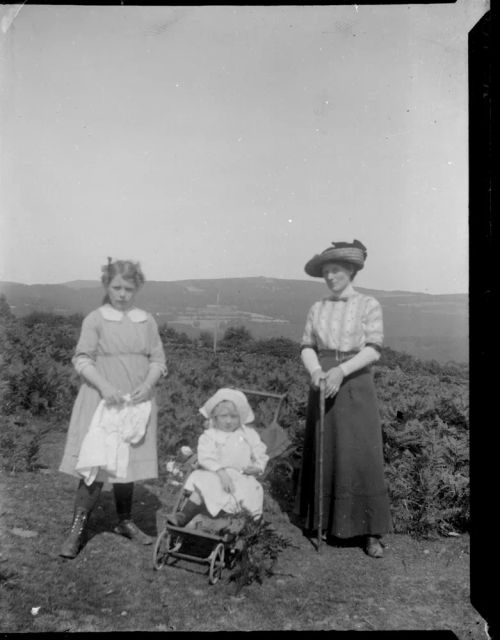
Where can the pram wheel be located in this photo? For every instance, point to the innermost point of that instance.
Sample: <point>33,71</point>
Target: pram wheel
<point>165,544</point>
<point>216,564</point>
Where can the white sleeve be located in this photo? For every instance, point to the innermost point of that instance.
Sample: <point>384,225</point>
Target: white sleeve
<point>259,455</point>
<point>309,337</point>
<point>366,356</point>
<point>310,359</point>
<point>86,348</point>
<point>308,343</point>
<point>207,452</point>
<point>373,324</point>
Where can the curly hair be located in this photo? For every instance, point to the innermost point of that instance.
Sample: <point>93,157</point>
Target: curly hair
<point>127,269</point>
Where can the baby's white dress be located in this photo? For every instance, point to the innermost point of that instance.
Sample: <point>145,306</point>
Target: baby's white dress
<point>233,451</point>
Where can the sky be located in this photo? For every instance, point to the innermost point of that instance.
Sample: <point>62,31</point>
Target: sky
<point>235,141</point>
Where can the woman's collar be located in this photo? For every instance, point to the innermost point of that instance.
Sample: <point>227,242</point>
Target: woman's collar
<point>108,312</point>
<point>347,293</point>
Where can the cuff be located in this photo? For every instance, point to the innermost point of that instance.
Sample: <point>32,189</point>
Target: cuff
<point>80,365</point>
<point>161,368</point>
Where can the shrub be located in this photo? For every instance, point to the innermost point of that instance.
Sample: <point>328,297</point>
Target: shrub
<point>428,473</point>
<point>424,407</point>
<point>20,438</point>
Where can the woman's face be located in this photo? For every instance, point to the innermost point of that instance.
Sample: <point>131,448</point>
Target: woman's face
<point>337,276</point>
<point>226,416</point>
<point>121,293</point>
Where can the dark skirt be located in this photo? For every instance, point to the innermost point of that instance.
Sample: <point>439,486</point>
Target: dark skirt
<point>355,499</point>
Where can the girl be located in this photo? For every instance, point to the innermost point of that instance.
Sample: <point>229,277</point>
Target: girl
<point>119,354</point>
<point>231,455</point>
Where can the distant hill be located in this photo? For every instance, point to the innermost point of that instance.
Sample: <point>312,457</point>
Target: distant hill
<point>424,325</point>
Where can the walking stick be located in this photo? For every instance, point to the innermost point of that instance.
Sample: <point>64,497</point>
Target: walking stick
<point>320,428</point>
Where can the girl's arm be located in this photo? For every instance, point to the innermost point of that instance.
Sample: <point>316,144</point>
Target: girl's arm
<point>157,366</point>
<point>157,360</point>
<point>109,393</point>
<point>85,357</point>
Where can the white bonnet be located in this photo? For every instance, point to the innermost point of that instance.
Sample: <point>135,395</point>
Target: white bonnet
<point>238,398</point>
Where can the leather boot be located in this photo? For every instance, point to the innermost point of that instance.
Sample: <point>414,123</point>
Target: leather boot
<point>131,531</point>
<point>373,547</point>
<point>73,543</point>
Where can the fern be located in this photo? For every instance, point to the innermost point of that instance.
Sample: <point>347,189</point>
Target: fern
<point>261,546</point>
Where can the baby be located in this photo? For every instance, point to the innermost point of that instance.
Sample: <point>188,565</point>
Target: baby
<point>231,455</point>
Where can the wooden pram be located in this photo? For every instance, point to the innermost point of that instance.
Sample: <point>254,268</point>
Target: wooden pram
<point>218,542</point>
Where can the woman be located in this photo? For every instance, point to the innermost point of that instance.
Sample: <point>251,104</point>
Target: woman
<point>119,354</point>
<point>342,338</point>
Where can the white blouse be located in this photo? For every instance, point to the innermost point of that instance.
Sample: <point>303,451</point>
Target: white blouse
<point>345,324</point>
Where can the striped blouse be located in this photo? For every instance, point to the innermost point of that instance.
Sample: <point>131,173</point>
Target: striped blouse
<point>346,324</point>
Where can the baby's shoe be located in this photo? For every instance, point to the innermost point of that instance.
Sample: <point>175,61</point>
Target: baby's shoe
<point>187,513</point>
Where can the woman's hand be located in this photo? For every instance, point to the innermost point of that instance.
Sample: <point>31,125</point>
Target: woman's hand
<point>227,483</point>
<point>140,393</point>
<point>333,380</point>
<point>316,376</point>
<point>252,470</point>
<point>110,394</point>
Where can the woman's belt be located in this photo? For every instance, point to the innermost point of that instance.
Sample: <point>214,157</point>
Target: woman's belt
<point>340,356</point>
<point>121,355</point>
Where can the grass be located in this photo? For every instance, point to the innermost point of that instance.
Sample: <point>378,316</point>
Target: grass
<point>111,585</point>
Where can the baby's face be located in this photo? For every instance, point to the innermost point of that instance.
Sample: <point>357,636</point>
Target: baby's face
<point>226,416</point>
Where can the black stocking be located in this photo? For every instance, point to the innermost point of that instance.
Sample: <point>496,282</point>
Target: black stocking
<point>87,496</point>
<point>123,499</point>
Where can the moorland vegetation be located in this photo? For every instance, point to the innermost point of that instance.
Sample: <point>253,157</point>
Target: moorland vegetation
<point>424,408</point>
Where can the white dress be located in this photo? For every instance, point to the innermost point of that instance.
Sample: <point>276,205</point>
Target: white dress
<point>232,451</point>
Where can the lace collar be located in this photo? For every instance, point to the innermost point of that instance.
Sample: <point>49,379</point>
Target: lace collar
<point>110,313</point>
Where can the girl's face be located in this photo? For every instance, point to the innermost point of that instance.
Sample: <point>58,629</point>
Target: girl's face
<point>121,293</point>
<point>226,416</point>
<point>337,276</point>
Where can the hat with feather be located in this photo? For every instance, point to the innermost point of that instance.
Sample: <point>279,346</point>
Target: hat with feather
<point>351,252</point>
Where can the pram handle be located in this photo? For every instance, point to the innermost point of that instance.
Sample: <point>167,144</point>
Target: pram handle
<point>266,394</point>
<point>263,393</point>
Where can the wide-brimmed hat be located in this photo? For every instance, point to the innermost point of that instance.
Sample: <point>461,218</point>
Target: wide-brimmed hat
<point>352,252</point>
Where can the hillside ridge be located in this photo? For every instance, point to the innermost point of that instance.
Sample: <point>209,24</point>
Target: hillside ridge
<point>428,326</point>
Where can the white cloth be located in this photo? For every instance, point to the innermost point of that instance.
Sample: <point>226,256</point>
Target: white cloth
<point>232,451</point>
<point>238,398</point>
<point>107,443</point>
